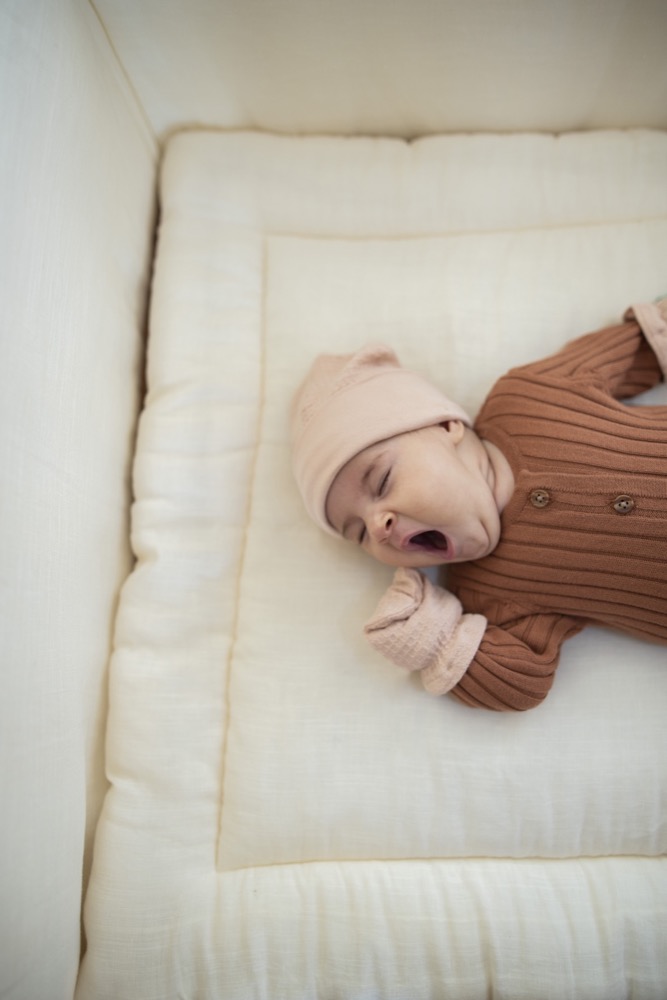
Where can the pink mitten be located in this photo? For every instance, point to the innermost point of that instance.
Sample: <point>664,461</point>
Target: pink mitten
<point>652,318</point>
<point>422,627</point>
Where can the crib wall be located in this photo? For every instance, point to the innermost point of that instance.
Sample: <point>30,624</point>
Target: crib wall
<point>77,166</point>
<point>404,68</point>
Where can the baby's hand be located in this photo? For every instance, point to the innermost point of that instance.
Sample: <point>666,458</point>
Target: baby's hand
<point>422,627</point>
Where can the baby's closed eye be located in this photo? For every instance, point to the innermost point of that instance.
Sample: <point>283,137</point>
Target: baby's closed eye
<point>383,484</point>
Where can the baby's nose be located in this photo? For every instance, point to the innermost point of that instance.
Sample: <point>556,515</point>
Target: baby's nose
<point>383,522</point>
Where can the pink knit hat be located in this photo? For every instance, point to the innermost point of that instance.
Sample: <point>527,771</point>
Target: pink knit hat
<point>348,402</point>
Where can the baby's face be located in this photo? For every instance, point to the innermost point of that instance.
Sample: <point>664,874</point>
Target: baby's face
<point>418,499</point>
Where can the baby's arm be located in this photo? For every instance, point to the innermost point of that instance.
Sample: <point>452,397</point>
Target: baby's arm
<point>624,359</point>
<point>423,628</point>
<point>515,665</point>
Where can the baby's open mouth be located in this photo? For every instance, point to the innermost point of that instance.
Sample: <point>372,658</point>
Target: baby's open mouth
<point>429,541</point>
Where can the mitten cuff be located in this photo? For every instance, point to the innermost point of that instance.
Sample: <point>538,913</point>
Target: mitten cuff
<point>413,621</point>
<point>652,318</point>
<point>453,660</point>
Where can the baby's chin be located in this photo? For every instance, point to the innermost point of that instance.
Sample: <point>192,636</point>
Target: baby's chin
<point>409,560</point>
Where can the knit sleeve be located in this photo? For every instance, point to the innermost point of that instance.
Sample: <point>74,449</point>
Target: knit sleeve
<point>514,667</point>
<point>619,358</point>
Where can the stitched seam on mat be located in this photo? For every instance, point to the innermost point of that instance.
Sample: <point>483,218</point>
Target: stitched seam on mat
<point>455,859</point>
<point>446,234</point>
<point>243,552</point>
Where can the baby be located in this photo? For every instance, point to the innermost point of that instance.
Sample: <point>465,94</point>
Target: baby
<point>550,511</point>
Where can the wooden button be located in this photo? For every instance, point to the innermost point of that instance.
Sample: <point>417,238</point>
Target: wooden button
<point>623,504</point>
<point>540,498</point>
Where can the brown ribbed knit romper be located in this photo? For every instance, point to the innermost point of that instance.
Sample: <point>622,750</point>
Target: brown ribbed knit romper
<point>584,537</point>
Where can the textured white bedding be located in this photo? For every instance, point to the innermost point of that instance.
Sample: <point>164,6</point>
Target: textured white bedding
<point>289,815</point>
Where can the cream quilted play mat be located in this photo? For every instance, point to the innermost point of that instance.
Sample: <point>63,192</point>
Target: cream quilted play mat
<point>289,815</point>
